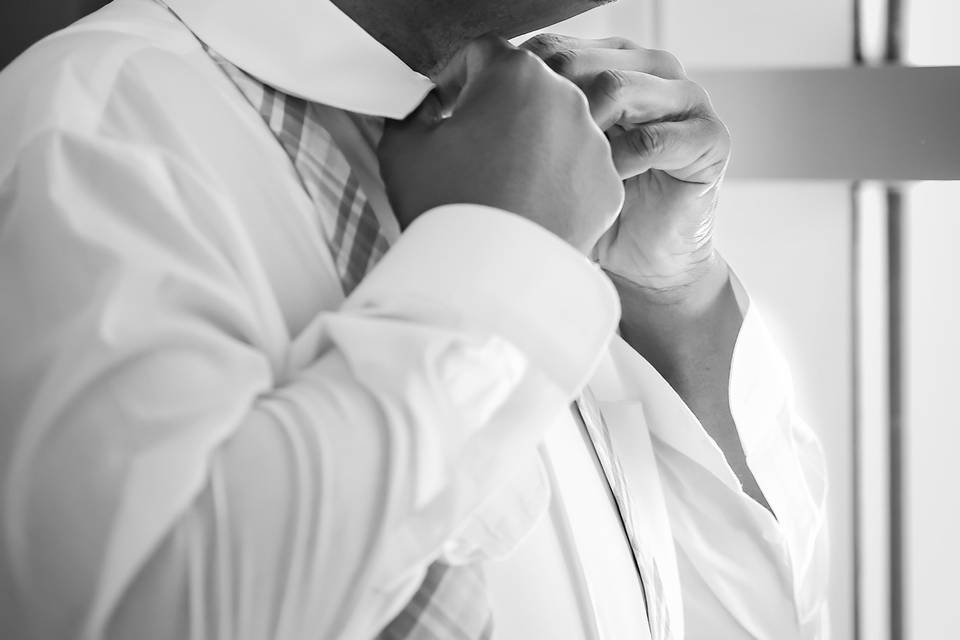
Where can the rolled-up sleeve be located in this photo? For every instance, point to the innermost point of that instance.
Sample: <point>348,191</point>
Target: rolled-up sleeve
<point>740,571</point>
<point>174,466</point>
<point>787,459</point>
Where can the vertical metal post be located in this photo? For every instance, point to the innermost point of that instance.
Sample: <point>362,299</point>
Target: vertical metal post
<point>896,433</point>
<point>894,56</point>
<point>856,386</point>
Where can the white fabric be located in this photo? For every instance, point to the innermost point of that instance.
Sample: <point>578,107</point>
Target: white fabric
<point>201,438</point>
<point>284,40</point>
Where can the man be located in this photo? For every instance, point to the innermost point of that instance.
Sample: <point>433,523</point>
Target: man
<point>291,334</point>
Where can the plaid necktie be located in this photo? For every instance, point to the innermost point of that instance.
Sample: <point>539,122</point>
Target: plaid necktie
<point>451,602</point>
<point>346,218</point>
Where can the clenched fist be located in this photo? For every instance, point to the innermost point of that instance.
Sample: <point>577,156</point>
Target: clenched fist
<point>670,148</point>
<point>502,129</point>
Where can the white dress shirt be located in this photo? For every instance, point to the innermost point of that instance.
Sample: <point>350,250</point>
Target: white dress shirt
<point>202,438</point>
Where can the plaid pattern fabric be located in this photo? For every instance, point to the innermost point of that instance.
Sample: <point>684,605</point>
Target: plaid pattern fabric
<point>451,603</point>
<point>346,217</point>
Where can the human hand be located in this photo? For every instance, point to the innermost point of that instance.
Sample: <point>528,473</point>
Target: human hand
<point>501,129</point>
<point>670,148</point>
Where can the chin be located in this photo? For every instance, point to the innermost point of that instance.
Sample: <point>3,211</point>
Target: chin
<point>530,15</point>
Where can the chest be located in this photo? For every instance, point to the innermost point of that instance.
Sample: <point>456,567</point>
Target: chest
<point>574,576</point>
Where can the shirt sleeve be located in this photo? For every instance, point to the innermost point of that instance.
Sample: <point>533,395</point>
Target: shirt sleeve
<point>170,471</point>
<point>777,585</point>
<point>786,458</point>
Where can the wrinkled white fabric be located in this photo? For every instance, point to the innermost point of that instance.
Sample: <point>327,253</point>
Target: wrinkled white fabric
<point>201,438</point>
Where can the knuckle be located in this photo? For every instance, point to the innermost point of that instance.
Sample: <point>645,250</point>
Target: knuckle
<point>610,83</point>
<point>667,60</point>
<point>562,61</point>
<point>616,42</point>
<point>515,61</point>
<point>646,141</point>
<point>714,128</point>
<point>699,95</point>
<point>526,63</point>
<point>490,46</point>
<point>527,57</point>
<point>544,44</point>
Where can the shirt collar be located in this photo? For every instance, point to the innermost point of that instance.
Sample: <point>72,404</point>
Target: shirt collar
<point>309,49</point>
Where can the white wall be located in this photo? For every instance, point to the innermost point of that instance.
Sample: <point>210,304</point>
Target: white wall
<point>931,418</point>
<point>752,33</point>
<point>931,32</point>
<point>633,19</point>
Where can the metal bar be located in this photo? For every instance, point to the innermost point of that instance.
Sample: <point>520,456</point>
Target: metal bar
<point>879,123</point>
<point>858,56</point>
<point>897,511</point>
<point>894,35</point>
<point>895,228</point>
<point>856,417</point>
<point>871,398</point>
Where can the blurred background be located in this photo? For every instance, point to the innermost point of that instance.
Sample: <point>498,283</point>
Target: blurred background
<point>841,213</point>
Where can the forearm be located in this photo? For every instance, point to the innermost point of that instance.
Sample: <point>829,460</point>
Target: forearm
<point>688,334</point>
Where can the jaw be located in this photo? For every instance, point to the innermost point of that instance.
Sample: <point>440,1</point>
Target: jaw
<point>452,23</point>
<point>544,13</point>
<point>425,34</point>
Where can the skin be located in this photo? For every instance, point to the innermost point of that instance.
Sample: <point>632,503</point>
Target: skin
<point>506,107</point>
<point>425,34</point>
<point>670,149</point>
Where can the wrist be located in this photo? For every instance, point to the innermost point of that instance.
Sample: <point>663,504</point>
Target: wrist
<point>674,329</point>
<point>687,288</point>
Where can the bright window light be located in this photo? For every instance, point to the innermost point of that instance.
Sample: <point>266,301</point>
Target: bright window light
<point>930,30</point>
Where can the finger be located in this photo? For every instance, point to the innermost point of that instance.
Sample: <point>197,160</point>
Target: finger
<point>546,44</point>
<point>580,65</point>
<point>694,150</point>
<point>429,112</point>
<point>456,76</point>
<point>579,59</point>
<point>629,97</point>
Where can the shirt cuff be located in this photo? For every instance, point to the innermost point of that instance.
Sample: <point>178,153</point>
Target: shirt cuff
<point>479,268</point>
<point>760,385</point>
<point>763,408</point>
<point>784,454</point>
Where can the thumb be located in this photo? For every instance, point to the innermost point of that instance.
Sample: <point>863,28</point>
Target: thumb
<point>466,65</point>
<point>429,112</point>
